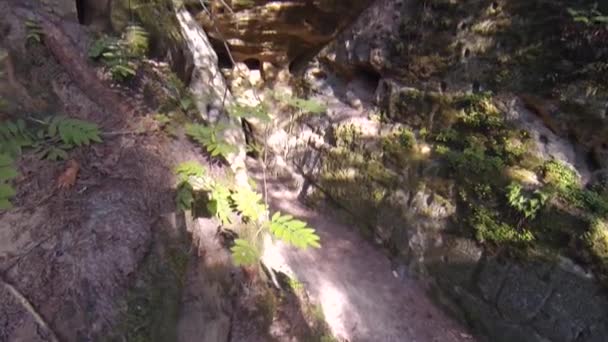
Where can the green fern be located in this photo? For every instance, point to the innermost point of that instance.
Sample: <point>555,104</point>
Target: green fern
<point>249,204</point>
<point>7,173</point>
<point>73,132</point>
<point>184,196</point>
<point>14,136</point>
<point>219,203</point>
<point>136,40</point>
<point>243,111</point>
<point>55,153</point>
<point>121,57</point>
<point>304,105</point>
<point>209,137</point>
<point>244,253</point>
<point>34,31</point>
<point>190,169</point>
<point>293,231</point>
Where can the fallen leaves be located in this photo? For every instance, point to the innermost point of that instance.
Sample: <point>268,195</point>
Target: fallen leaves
<point>67,179</point>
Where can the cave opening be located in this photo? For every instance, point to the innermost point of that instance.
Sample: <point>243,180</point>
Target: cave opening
<point>253,64</point>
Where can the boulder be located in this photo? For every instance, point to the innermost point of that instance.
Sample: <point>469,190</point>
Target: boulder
<point>276,32</point>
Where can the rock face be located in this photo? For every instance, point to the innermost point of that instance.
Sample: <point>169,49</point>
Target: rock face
<point>383,159</point>
<point>277,32</point>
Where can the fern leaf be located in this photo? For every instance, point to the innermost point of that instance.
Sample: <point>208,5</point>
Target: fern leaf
<point>184,196</point>
<point>249,204</point>
<point>6,192</point>
<point>14,136</point>
<point>55,153</point>
<point>208,136</point>
<point>74,132</point>
<point>219,203</point>
<point>244,253</point>
<point>136,40</point>
<point>259,111</point>
<point>7,171</point>
<point>190,169</point>
<point>293,231</point>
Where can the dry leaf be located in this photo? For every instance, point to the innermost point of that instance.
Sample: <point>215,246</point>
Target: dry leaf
<point>67,179</point>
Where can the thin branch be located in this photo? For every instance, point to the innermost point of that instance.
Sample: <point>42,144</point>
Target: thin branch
<point>30,308</point>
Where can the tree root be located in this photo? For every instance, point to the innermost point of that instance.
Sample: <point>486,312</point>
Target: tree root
<point>30,308</point>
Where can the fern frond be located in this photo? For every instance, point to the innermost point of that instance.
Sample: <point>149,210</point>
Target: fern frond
<point>219,203</point>
<point>184,196</point>
<point>209,137</point>
<point>249,204</point>
<point>7,172</point>
<point>309,106</point>
<point>73,132</point>
<point>243,111</point>
<point>190,169</point>
<point>55,153</point>
<point>244,253</point>
<point>14,136</point>
<point>136,40</point>
<point>293,231</point>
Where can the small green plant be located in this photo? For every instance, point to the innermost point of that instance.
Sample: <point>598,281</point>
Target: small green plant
<point>211,138</point>
<point>559,175</point>
<point>589,17</point>
<point>293,231</point>
<point>14,136</point>
<point>260,111</point>
<point>7,174</point>
<point>479,112</point>
<point>121,56</point>
<point>489,229</point>
<point>249,204</point>
<point>529,204</point>
<point>34,31</point>
<point>597,239</point>
<point>228,205</point>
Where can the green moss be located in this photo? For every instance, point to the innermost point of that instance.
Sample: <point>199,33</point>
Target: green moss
<point>488,228</point>
<point>560,175</point>
<point>597,240</point>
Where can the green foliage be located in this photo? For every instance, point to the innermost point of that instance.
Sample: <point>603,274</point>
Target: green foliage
<point>34,31</point>
<point>293,231</point>
<point>589,17</point>
<point>244,253</point>
<point>260,111</point>
<point>303,105</point>
<point>597,240</point>
<point>14,136</point>
<point>184,196</point>
<point>474,161</point>
<point>54,137</point>
<point>210,138</point>
<point>407,139</point>
<point>73,132</point>
<point>559,175</point>
<point>249,204</point>
<point>121,56</point>
<point>7,173</point>
<point>529,204</point>
<point>190,169</point>
<point>136,41</point>
<point>220,203</point>
<point>489,229</point>
<point>479,112</point>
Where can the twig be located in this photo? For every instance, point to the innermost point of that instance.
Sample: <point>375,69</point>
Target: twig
<point>30,308</point>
